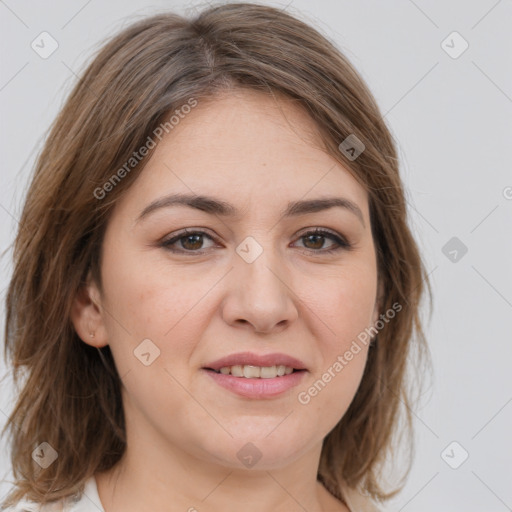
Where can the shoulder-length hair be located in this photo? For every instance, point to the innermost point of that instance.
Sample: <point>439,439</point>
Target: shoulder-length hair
<point>70,394</point>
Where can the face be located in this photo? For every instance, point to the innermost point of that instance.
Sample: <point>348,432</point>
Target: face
<point>265,276</point>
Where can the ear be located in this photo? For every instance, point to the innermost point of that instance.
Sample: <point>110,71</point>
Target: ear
<point>87,315</point>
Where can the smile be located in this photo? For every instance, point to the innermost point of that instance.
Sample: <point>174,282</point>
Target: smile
<point>256,372</point>
<point>255,387</point>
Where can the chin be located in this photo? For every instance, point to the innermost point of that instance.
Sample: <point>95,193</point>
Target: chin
<point>258,450</point>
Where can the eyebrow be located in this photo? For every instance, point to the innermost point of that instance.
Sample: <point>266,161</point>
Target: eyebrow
<point>216,206</point>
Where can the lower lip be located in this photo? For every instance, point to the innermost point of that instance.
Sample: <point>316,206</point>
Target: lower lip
<point>257,388</point>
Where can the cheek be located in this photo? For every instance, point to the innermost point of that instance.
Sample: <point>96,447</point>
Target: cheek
<point>171,309</point>
<point>153,325</point>
<point>347,311</point>
<point>148,301</point>
<point>344,304</point>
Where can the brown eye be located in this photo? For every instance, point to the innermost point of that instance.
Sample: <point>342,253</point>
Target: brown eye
<point>192,242</point>
<point>187,241</point>
<point>314,241</point>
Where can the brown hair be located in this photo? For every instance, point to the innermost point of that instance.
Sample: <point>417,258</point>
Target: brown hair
<point>71,393</point>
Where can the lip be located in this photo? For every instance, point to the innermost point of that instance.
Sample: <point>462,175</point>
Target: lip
<point>257,388</point>
<point>250,358</point>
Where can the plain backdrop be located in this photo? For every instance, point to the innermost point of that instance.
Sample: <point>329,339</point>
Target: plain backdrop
<point>449,108</point>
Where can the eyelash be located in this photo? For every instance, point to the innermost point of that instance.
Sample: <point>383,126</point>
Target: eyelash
<point>341,242</point>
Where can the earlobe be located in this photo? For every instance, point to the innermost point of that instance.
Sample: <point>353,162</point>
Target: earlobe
<point>86,316</point>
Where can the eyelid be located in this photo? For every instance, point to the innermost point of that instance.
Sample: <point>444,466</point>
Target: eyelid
<point>340,241</point>
<point>321,231</point>
<point>174,237</point>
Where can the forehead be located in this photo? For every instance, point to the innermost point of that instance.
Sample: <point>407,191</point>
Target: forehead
<point>247,147</point>
<point>250,127</point>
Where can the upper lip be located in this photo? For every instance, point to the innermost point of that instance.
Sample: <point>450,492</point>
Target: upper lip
<point>249,358</point>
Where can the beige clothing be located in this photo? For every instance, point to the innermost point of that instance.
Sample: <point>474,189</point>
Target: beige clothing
<point>89,501</point>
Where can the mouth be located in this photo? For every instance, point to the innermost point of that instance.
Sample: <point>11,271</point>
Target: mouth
<point>256,376</point>
<point>248,371</point>
<point>254,387</point>
<point>252,365</point>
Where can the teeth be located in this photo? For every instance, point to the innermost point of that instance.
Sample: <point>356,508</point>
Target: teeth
<point>237,371</point>
<point>256,372</point>
<point>251,372</point>
<point>268,372</point>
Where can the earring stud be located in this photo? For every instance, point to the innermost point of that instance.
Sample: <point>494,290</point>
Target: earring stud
<point>91,335</point>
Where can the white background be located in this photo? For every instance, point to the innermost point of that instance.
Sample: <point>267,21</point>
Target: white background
<point>452,119</point>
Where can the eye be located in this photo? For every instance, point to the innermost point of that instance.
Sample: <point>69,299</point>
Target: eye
<point>187,241</point>
<point>192,241</point>
<point>314,241</point>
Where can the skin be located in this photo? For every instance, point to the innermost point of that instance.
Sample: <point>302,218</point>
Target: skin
<point>183,430</point>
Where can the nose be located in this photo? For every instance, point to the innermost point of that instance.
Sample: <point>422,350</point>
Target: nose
<point>260,297</point>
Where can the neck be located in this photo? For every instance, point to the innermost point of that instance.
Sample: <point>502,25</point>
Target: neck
<point>176,481</point>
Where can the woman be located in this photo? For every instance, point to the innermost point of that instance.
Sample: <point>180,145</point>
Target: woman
<point>215,289</point>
